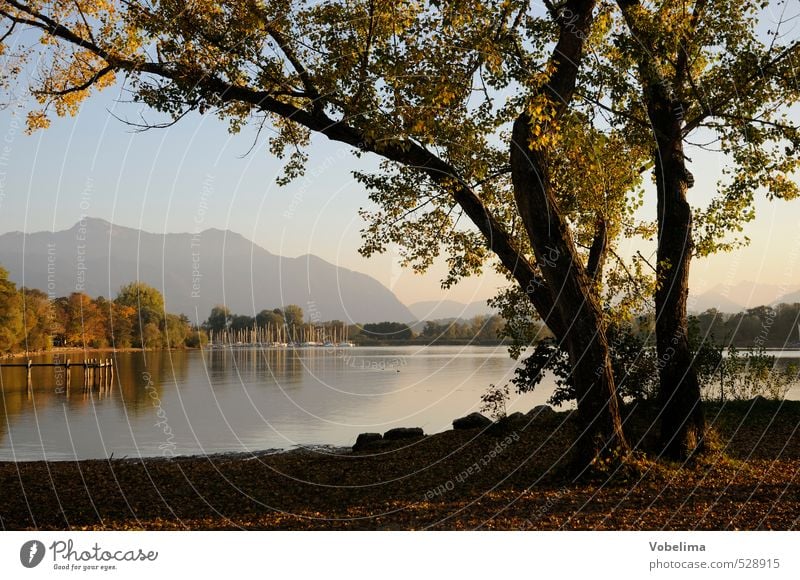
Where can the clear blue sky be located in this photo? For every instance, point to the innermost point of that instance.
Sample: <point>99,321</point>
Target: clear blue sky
<point>159,180</point>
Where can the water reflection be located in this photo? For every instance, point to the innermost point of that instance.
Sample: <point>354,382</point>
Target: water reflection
<point>188,402</point>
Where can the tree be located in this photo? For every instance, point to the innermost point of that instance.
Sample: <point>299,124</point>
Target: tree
<point>546,186</point>
<point>388,331</point>
<point>177,329</point>
<point>145,300</point>
<point>150,336</point>
<point>122,325</point>
<point>242,322</point>
<point>83,322</point>
<point>786,327</point>
<point>103,308</point>
<point>60,316</point>
<point>197,338</point>
<point>487,329</point>
<point>634,365</point>
<point>38,319</point>
<point>11,326</point>
<point>219,319</point>
<point>269,318</point>
<point>292,315</point>
<point>704,72</point>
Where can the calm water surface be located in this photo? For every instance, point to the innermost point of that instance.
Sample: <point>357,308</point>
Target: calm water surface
<point>174,403</point>
<point>192,402</point>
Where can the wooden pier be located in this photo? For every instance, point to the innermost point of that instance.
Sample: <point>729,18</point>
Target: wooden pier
<point>96,372</point>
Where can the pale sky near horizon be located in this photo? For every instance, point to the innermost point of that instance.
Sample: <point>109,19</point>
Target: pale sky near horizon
<point>160,180</point>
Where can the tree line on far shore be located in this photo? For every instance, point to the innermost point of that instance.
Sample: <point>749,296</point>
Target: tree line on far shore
<point>30,320</point>
<point>135,318</point>
<point>763,326</point>
<point>481,329</point>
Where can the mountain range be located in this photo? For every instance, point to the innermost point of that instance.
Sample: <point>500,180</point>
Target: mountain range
<point>728,298</point>
<point>745,294</point>
<point>194,271</point>
<point>447,309</point>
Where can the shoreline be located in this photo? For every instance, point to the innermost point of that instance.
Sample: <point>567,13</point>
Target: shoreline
<point>516,421</point>
<point>318,449</point>
<point>112,350</point>
<point>86,351</point>
<point>511,477</point>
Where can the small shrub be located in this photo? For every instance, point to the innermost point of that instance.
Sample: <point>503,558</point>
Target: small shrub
<point>744,375</point>
<point>493,401</point>
<point>632,360</point>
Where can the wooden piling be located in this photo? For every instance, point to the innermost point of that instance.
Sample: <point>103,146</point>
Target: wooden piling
<point>29,381</point>
<point>97,372</point>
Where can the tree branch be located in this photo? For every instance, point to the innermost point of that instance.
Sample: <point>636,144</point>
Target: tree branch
<point>639,253</point>
<point>9,31</point>
<point>403,151</point>
<point>81,87</point>
<point>597,251</point>
<point>682,64</point>
<point>612,110</point>
<point>714,109</point>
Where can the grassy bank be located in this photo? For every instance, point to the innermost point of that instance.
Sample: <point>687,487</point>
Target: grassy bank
<point>510,479</point>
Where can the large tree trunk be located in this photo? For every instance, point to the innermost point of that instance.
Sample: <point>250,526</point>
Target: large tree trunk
<point>682,419</point>
<point>571,286</point>
<point>576,303</point>
<point>598,404</point>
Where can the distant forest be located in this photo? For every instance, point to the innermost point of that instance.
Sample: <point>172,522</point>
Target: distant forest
<point>764,326</point>
<point>30,320</point>
<point>295,326</point>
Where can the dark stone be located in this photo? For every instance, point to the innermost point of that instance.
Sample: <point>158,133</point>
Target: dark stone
<point>508,424</point>
<point>366,440</point>
<point>403,433</point>
<point>472,421</point>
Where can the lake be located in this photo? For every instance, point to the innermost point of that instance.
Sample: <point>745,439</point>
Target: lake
<point>216,401</point>
<point>193,402</point>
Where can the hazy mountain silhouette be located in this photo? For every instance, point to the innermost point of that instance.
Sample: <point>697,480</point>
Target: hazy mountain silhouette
<point>712,299</point>
<point>789,298</point>
<point>440,309</point>
<point>736,297</point>
<point>194,271</point>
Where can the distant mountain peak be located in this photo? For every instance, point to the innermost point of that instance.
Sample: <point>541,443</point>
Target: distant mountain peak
<point>94,222</point>
<point>741,295</point>
<point>222,267</point>
<point>448,309</point>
